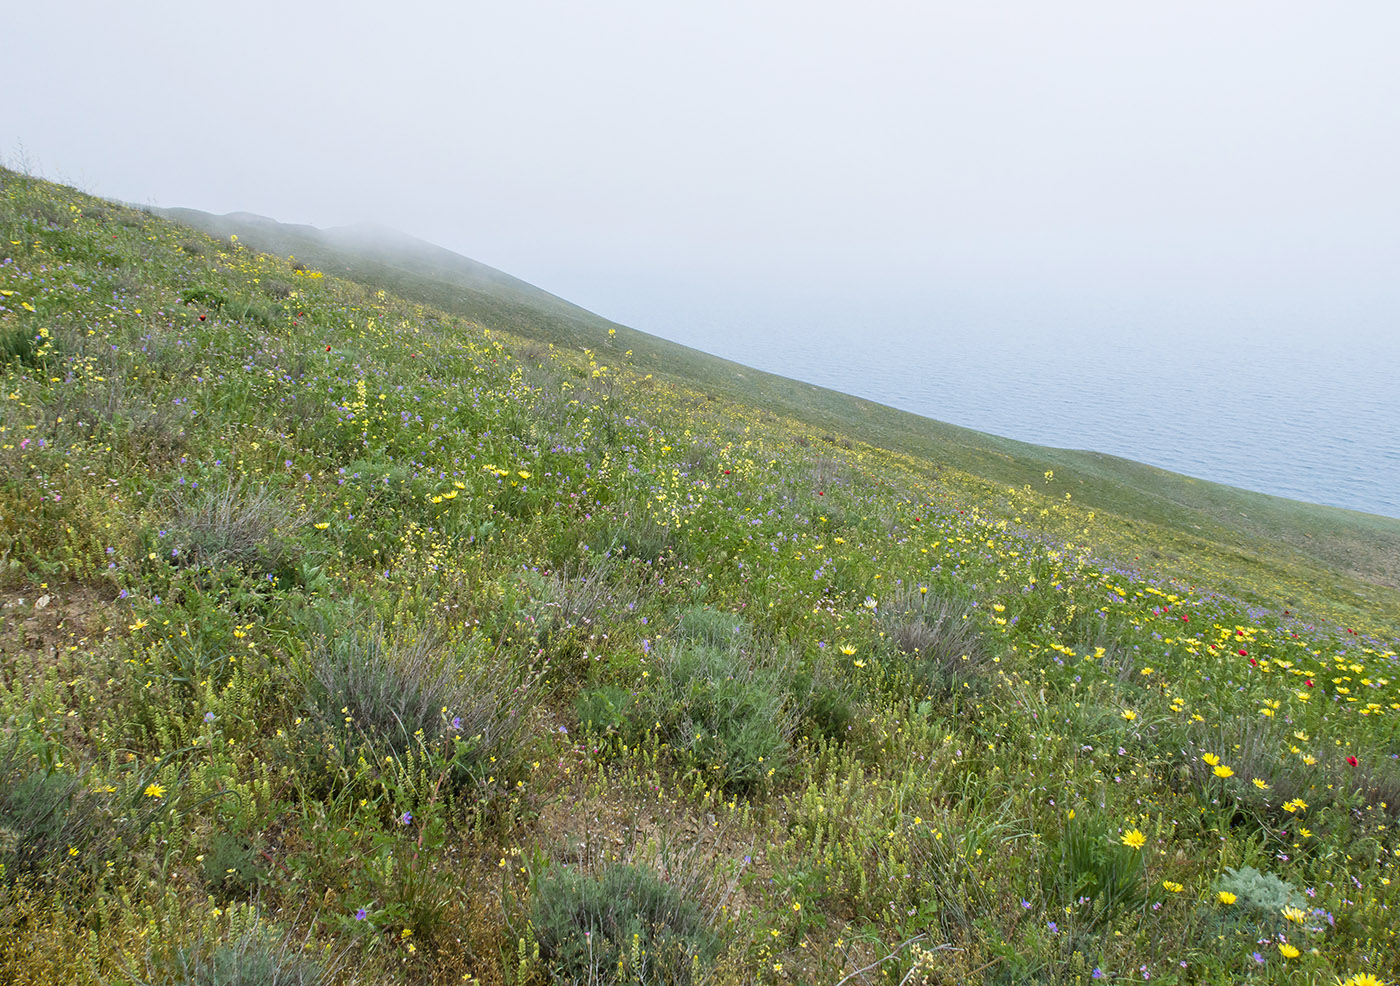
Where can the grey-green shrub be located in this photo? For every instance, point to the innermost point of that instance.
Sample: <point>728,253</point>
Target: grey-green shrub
<point>620,925</point>
<point>256,955</point>
<point>712,627</point>
<point>938,638</point>
<point>731,715</point>
<point>238,524</point>
<point>1262,896</point>
<point>380,696</point>
<point>43,814</point>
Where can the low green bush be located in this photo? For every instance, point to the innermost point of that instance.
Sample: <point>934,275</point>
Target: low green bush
<point>712,627</point>
<point>731,716</point>
<point>52,828</point>
<point>938,639</point>
<point>620,925</point>
<point>408,697</point>
<point>255,954</point>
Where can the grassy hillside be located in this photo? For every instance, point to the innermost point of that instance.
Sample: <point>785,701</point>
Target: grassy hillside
<point>1320,541</point>
<point>349,638</point>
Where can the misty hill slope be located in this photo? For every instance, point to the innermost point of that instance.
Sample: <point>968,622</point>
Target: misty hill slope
<point>1364,546</point>
<point>344,640</point>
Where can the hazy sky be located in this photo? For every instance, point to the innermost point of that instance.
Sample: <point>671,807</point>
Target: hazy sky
<point>1221,160</point>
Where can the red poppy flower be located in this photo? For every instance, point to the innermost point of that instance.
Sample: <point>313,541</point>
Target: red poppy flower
<point>1352,761</point>
<point>1243,652</point>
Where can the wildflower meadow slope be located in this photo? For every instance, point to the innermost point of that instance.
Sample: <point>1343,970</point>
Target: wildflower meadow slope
<point>350,639</point>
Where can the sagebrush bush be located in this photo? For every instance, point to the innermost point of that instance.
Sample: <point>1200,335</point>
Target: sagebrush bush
<point>255,954</point>
<point>620,925</point>
<point>51,827</point>
<point>237,524</point>
<point>938,638</point>
<point>1260,897</point>
<point>731,715</point>
<point>381,696</point>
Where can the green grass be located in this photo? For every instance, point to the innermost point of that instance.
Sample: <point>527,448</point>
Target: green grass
<point>351,634</point>
<point>1289,539</point>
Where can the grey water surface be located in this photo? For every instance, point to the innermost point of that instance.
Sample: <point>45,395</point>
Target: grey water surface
<point>1308,414</point>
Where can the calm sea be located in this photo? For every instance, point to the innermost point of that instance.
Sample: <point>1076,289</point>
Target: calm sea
<point>1315,417</point>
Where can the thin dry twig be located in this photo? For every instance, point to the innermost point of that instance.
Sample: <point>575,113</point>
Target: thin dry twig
<point>879,962</point>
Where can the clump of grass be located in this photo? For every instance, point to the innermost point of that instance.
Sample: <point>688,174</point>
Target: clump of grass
<point>50,825</point>
<point>729,714</point>
<point>638,535</point>
<point>157,435</point>
<point>1379,784</point>
<point>622,924</point>
<point>256,954</point>
<point>233,864</point>
<point>1254,750</point>
<point>20,344</point>
<point>825,706</point>
<point>938,638</point>
<point>381,696</point>
<point>207,297</point>
<point>573,607</point>
<point>827,471</point>
<point>584,596</point>
<point>712,627</point>
<point>238,525</point>
<point>1099,876</point>
<point>605,709</point>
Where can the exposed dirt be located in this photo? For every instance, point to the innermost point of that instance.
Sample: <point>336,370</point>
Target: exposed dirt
<point>49,620</point>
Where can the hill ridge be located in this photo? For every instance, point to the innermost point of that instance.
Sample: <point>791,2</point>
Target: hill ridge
<point>1365,546</point>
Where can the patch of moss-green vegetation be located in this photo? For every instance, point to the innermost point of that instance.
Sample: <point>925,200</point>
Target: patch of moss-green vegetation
<point>358,628</point>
